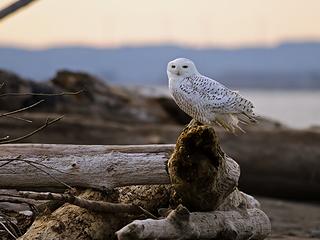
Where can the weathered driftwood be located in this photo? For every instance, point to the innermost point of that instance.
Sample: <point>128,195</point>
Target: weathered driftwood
<point>73,222</point>
<point>83,165</point>
<point>96,206</point>
<point>181,224</point>
<point>201,173</point>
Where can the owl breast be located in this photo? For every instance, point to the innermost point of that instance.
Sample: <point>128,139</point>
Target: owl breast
<point>188,100</point>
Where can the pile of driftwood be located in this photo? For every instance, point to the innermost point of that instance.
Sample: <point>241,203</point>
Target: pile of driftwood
<point>186,191</point>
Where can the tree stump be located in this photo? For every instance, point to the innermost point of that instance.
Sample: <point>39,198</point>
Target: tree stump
<point>200,172</point>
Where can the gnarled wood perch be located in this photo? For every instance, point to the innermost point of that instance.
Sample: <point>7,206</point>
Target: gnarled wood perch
<point>201,173</point>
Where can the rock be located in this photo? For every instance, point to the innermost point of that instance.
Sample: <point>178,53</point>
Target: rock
<point>98,99</point>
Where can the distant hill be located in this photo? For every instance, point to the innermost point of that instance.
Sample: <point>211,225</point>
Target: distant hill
<point>290,65</point>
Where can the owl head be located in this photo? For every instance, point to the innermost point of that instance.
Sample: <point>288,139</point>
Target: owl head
<point>181,67</point>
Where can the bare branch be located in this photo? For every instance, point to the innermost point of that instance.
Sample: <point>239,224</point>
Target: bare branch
<point>36,166</point>
<point>18,158</point>
<point>7,161</point>
<point>2,84</point>
<point>56,179</point>
<point>14,7</point>
<point>10,224</point>
<point>20,118</point>
<point>21,109</point>
<point>8,231</point>
<point>4,138</point>
<point>17,200</point>
<point>33,132</point>
<point>97,206</point>
<point>40,94</point>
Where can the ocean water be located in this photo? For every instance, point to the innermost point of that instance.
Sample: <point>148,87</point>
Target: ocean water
<point>295,108</point>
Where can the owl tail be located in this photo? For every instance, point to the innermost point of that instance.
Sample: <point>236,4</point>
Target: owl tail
<point>230,122</point>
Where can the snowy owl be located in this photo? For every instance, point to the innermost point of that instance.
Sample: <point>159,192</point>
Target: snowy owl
<point>205,99</point>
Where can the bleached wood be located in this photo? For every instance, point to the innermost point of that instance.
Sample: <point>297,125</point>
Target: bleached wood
<point>83,165</point>
<point>92,166</point>
<point>181,224</point>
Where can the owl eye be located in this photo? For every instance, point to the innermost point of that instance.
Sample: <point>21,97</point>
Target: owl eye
<point>184,66</point>
<point>173,66</point>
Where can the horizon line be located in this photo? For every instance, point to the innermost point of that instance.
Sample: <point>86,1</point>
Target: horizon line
<point>164,44</point>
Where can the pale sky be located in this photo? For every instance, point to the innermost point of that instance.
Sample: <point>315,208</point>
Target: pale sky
<point>200,23</point>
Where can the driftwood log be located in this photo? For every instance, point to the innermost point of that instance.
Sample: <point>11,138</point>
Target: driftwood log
<point>181,224</point>
<point>73,222</point>
<point>99,167</point>
<point>203,179</point>
<point>84,166</point>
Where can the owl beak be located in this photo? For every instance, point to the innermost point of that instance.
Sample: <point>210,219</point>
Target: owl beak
<point>178,73</point>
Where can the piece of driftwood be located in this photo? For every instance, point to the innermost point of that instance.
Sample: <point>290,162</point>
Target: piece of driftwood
<point>96,206</point>
<point>76,223</point>
<point>201,173</point>
<point>292,174</point>
<point>73,222</point>
<point>181,224</point>
<point>84,166</point>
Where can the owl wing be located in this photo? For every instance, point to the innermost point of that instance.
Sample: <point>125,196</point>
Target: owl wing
<point>216,96</point>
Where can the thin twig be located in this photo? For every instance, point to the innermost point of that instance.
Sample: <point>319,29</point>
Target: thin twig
<point>4,138</point>
<point>34,164</point>
<point>8,231</point>
<point>97,206</point>
<point>20,118</point>
<point>7,162</point>
<point>146,212</point>
<point>33,132</point>
<point>40,94</point>
<point>53,177</point>
<point>21,109</point>
<point>19,159</point>
<point>16,200</point>
<point>14,7</point>
<point>2,84</point>
<point>13,226</point>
